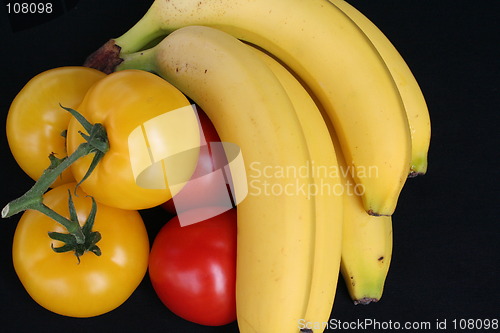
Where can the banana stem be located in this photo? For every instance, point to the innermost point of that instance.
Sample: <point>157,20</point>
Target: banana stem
<point>142,60</point>
<point>142,35</point>
<point>144,31</point>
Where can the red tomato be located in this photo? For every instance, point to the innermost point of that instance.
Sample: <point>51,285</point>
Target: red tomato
<point>193,269</point>
<point>207,189</point>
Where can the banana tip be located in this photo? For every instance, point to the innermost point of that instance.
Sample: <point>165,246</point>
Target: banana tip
<point>365,301</point>
<point>373,213</point>
<point>414,174</point>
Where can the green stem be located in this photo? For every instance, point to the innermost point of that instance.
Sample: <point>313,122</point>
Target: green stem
<point>33,197</point>
<point>97,143</point>
<point>72,227</point>
<point>143,60</point>
<point>147,29</point>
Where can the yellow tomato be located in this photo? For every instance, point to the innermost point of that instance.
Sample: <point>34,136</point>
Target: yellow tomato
<point>97,284</point>
<point>123,102</point>
<point>35,120</point>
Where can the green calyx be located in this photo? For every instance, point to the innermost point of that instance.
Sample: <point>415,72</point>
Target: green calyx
<point>96,141</point>
<point>79,239</point>
<point>90,238</point>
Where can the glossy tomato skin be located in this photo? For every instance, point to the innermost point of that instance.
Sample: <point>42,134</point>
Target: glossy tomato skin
<point>123,102</point>
<point>35,120</point>
<point>96,285</point>
<point>193,269</point>
<point>206,191</point>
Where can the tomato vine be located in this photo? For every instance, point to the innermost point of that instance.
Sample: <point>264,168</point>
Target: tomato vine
<point>79,238</point>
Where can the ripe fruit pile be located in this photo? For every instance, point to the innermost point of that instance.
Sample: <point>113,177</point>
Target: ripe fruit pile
<point>330,122</point>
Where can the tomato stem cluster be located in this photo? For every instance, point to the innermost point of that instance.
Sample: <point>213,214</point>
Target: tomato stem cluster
<point>90,238</point>
<point>79,238</point>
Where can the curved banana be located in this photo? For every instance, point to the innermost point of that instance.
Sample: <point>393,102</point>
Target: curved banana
<point>336,61</point>
<point>329,205</point>
<point>249,107</point>
<point>366,251</point>
<point>366,242</point>
<point>411,94</point>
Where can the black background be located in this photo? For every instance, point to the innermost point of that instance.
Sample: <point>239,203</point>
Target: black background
<point>445,262</point>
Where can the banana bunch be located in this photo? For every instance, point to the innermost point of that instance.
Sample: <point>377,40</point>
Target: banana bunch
<point>298,85</point>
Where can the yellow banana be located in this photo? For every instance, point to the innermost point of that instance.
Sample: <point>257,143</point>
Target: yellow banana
<point>249,107</point>
<point>413,99</point>
<point>329,205</point>
<point>366,251</point>
<point>332,56</point>
<point>366,242</point>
